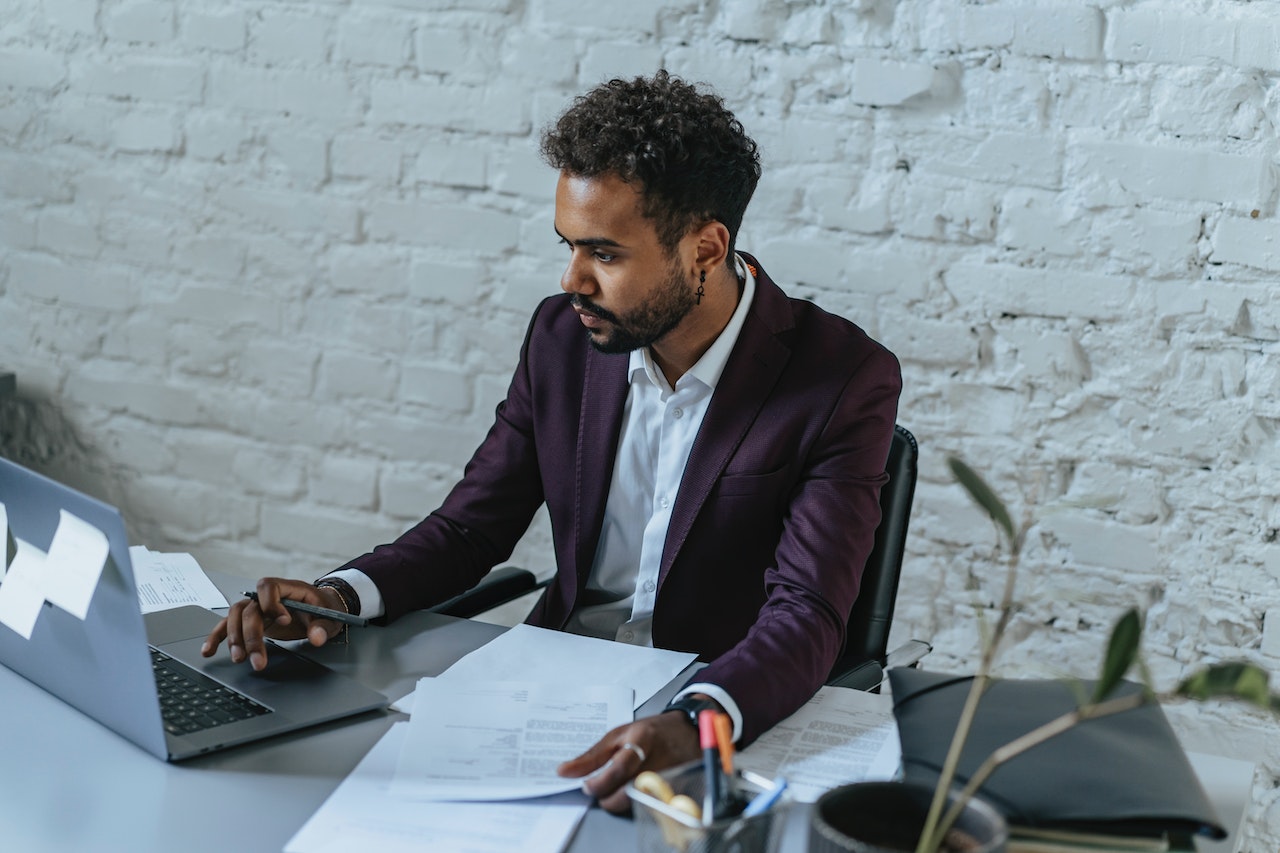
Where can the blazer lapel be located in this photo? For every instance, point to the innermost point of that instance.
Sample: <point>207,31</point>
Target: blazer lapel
<point>600,420</point>
<point>757,360</point>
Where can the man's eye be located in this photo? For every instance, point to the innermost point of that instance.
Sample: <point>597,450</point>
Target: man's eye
<point>602,257</point>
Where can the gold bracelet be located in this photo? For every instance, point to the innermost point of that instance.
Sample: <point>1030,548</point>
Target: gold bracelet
<point>342,599</point>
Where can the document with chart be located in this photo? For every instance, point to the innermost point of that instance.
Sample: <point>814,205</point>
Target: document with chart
<point>365,814</point>
<point>838,736</point>
<point>165,581</point>
<point>500,740</point>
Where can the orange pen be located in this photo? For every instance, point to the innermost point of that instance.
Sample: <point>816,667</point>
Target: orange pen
<point>724,740</point>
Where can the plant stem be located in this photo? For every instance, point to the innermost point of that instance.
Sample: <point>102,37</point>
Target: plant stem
<point>933,832</point>
<point>935,829</point>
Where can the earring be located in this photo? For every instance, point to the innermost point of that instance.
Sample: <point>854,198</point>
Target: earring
<point>701,292</point>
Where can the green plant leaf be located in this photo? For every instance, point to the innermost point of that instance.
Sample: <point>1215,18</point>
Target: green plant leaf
<point>1234,679</point>
<point>1122,650</point>
<point>983,496</point>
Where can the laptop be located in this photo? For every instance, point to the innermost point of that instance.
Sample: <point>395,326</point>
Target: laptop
<point>121,668</point>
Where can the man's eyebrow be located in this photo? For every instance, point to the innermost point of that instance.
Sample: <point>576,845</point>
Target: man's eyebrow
<point>591,242</point>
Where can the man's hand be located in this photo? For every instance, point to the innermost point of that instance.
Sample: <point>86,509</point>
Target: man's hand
<point>248,621</point>
<point>655,744</point>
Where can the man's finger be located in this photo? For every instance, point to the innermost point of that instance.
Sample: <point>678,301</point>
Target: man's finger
<point>617,803</point>
<point>269,602</point>
<point>606,779</point>
<point>635,750</point>
<point>608,783</point>
<point>215,638</point>
<point>591,760</point>
<point>320,631</point>
<point>251,631</point>
<point>235,627</point>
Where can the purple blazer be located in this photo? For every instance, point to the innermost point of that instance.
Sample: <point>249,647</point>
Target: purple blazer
<point>773,522</point>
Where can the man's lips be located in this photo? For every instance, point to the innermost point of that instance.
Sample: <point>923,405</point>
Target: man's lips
<point>591,321</point>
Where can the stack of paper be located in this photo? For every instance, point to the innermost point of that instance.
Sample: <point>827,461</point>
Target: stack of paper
<point>838,737</point>
<point>501,740</point>
<point>474,768</point>
<point>525,653</point>
<point>165,581</point>
<point>364,814</point>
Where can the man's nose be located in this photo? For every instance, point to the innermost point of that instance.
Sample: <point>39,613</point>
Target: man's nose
<point>576,278</point>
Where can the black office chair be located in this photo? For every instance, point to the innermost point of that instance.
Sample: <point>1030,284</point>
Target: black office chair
<point>861,666</point>
<point>866,656</point>
<point>498,587</point>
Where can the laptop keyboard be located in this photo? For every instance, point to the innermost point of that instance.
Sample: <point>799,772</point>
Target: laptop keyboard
<point>191,702</point>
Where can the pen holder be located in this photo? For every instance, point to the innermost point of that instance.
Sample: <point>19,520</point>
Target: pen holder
<point>661,828</point>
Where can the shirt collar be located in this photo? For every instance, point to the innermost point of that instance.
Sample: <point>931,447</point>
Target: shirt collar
<point>707,370</point>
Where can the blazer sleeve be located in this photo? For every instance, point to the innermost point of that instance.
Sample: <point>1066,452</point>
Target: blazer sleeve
<point>829,524</point>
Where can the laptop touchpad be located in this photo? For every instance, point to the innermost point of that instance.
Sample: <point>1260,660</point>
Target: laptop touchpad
<point>179,623</point>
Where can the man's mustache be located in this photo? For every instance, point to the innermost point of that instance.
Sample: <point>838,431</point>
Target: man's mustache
<point>590,307</point>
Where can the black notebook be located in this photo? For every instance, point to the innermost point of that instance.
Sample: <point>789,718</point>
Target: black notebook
<point>1123,774</point>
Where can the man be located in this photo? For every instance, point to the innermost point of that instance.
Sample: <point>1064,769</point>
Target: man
<point>709,450</point>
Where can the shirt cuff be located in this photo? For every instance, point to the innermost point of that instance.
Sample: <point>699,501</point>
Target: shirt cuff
<point>715,692</point>
<point>371,606</point>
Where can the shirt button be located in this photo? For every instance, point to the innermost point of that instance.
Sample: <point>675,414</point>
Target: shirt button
<point>664,503</point>
<point>678,413</point>
<point>628,636</point>
<point>649,586</point>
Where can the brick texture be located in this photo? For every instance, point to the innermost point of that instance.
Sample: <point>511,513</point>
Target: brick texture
<point>265,268</point>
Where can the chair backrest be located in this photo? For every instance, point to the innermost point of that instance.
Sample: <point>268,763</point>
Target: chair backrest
<point>872,615</point>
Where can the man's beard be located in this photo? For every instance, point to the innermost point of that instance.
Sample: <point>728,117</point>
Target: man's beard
<point>649,322</point>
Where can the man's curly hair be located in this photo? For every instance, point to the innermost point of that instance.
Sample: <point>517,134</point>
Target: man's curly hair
<point>691,158</point>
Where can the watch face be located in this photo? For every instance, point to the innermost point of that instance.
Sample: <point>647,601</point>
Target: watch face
<point>692,706</point>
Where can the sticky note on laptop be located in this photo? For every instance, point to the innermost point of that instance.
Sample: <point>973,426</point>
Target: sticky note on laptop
<point>74,563</point>
<point>22,593</point>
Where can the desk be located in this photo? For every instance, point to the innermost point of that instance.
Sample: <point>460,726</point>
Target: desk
<point>68,784</point>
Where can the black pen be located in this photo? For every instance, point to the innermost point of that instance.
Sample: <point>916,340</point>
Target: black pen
<point>313,610</point>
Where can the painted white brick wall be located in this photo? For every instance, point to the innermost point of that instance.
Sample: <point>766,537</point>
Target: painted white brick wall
<point>265,268</point>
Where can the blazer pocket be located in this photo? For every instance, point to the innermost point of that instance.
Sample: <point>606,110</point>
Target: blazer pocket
<point>751,484</point>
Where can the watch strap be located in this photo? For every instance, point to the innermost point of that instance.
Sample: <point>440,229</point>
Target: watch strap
<point>350,599</point>
<point>691,706</point>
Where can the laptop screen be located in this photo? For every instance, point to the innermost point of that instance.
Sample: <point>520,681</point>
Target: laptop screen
<point>99,664</point>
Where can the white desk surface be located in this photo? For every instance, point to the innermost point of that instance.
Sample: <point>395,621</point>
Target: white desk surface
<point>1229,784</point>
<point>68,784</point>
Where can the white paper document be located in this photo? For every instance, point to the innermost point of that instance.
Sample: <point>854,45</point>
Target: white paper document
<point>22,593</point>
<point>838,736</point>
<point>526,653</point>
<point>365,814</point>
<point>502,740</point>
<point>165,581</point>
<point>74,563</point>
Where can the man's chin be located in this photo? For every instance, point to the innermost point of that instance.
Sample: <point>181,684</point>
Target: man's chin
<point>608,344</point>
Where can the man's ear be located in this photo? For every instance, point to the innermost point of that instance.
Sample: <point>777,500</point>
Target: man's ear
<point>713,244</point>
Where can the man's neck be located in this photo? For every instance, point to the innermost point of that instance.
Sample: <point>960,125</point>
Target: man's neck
<point>681,348</point>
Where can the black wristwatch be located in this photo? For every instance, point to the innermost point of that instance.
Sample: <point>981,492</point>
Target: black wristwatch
<point>346,592</point>
<point>690,706</point>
